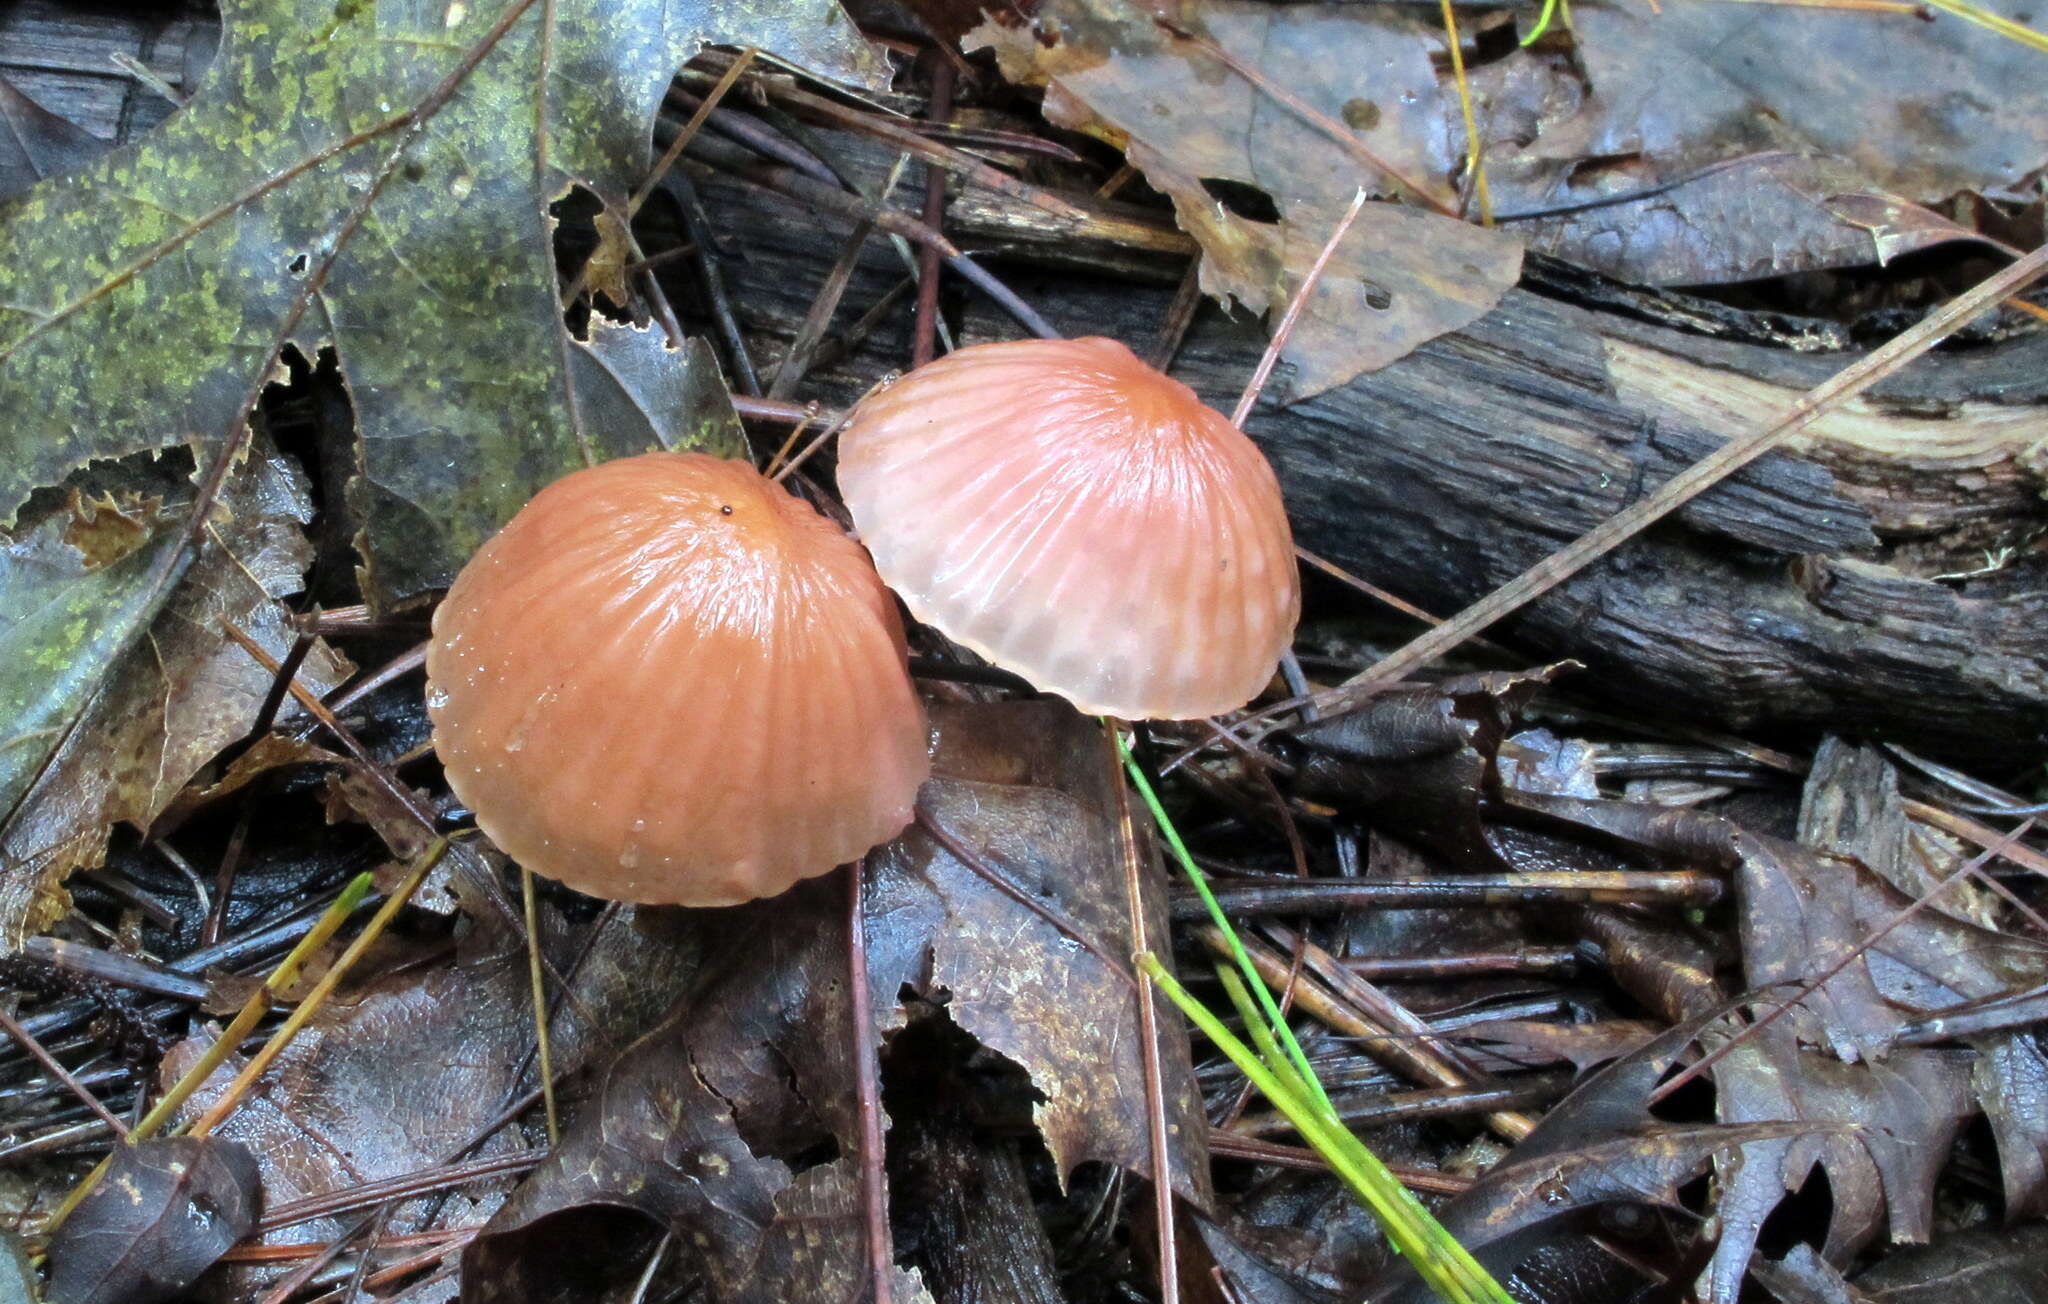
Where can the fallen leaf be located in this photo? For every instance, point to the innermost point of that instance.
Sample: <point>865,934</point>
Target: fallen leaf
<point>1878,1115</point>
<point>732,1123</point>
<point>1026,788</point>
<point>1505,1217</point>
<point>122,748</point>
<point>339,1108</point>
<point>19,1283</point>
<point>1736,123</point>
<point>165,1211</point>
<point>630,382</point>
<point>1983,1265</point>
<point>696,1124</point>
<point>1403,276</point>
<point>1743,219</point>
<point>193,247</point>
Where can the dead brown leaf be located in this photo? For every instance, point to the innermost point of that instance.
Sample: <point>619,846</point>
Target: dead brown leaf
<point>732,1124</point>
<point>1196,128</point>
<point>165,1211</point>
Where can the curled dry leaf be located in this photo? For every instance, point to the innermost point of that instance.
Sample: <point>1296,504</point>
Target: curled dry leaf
<point>1403,276</point>
<point>1877,1116</point>
<point>164,1212</point>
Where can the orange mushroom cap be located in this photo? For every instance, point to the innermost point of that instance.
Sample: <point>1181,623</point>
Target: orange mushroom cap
<point>1075,516</point>
<point>667,680</point>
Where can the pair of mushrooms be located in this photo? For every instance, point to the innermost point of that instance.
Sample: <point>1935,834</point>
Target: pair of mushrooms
<point>668,680</point>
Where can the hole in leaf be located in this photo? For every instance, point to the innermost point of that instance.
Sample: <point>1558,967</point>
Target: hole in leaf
<point>1241,200</point>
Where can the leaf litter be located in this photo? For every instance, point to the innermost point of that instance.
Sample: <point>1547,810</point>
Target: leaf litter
<point>206,233</point>
<point>731,1126</point>
<point>728,1125</point>
<point>1876,1117</point>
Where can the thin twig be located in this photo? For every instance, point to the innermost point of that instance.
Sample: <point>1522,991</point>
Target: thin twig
<point>794,185</point>
<point>1180,314</point>
<point>1285,329</point>
<point>697,225</point>
<point>540,1004</point>
<point>59,1072</point>
<point>1148,1034</point>
<point>874,1180</point>
<point>924,333</point>
<point>471,868</point>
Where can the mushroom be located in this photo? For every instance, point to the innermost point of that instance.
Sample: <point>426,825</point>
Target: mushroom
<point>1076,516</point>
<point>667,680</point>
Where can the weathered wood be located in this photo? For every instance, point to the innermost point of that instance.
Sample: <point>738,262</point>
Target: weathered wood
<point>1799,596</point>
<point>61,56</point>
<point>977,1235</point>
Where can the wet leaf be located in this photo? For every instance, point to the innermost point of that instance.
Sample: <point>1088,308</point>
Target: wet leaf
<point>398,1074</point>
<point>1760,115</point>
<point>125,749</point>
<point>732,1123</point>
<point>164,1213</point>
<point>1196,128</point>
<point>1023,787</point>
<point>631,383</point>
<point>695,1124</point>
<point>18,1281</point>
<point>1520,1202</point>
<point>1888,1126</point>
<point>1746,219</point>
<point>1983,1265</point>
<point>1879,1116</point>
<point>35,143</point>
<point>193,249</point>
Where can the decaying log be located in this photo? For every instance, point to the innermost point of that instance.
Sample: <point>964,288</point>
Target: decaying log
<point>1885,576</point>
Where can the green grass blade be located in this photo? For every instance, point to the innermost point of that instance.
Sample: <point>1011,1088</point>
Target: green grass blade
<point>1445,1265</point>
<point>1274,1018</point>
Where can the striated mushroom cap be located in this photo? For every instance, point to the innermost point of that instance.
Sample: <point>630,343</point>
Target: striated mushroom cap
<point>1075,516</point>
<point>667,680</point>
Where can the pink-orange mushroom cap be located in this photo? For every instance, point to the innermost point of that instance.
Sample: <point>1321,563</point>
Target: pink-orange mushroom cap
<point>1076,516</point>
<point>667,680</point>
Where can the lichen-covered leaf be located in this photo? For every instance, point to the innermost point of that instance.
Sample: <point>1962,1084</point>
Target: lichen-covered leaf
<point>407,153</point>
<point>630,382</point>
